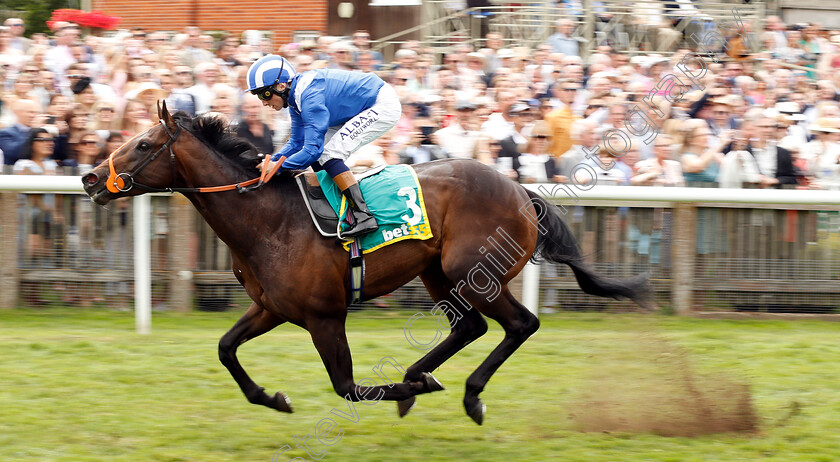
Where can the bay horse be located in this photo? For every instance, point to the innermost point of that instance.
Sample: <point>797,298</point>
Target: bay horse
<point>295,275</point>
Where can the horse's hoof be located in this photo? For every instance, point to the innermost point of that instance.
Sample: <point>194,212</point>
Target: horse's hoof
<point>476,411</point>
<point>281,403</point>
<point>406,405</point>
<point>431,382</point>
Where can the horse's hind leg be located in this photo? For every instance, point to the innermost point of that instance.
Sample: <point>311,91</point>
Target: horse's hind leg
<point>330,340</point>
<point>255,322</point>
<point>466,326</point>
<point>518,323</point>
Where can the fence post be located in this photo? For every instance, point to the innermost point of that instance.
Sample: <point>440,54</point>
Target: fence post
<point>531,287</point>
<point>180,253</point>
<point>142,264</point>
<point>588,29</point>
<point>683,256</point>
<point>9,282</point>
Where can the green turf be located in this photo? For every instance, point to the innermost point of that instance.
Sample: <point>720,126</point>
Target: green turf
<point>82,386</point>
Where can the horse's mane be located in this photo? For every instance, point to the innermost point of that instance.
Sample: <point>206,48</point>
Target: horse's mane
<point>217,135</point>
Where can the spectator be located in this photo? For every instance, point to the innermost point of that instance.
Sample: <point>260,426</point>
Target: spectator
<point>763,148</point>
<point>421,146</point>
<point>739,169</point>
<point>193,53</point>
<point>13,138</point>
<point>104,119</point>
<point>206,75</point>
<point>823,153</point>
<point>460,138</point>
<point>252,127</point>
<point>361,40</point>
<point>560,120</point>
<point>583,133</point>
<point>136,118</point>
<point>700,162</point>
<point>85,152</point>
<point>16,29</point>
<point>535,164</point>
<point>35,160</point>
<point>59,57</point>
<point>562,41</point>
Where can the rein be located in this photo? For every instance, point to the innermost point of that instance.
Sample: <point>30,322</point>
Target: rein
<point>124,182</point>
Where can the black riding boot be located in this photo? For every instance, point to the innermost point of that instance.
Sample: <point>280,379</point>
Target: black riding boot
<point>360,219</point>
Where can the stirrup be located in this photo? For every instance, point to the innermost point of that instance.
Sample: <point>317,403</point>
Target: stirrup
<point>360,228</point>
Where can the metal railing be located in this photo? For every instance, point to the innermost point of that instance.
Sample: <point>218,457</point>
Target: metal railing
<point>705,248</point>
<point>631,27</point>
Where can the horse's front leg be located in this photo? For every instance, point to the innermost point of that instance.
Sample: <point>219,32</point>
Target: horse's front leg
<point>255,322</point>
<point>330,340</point>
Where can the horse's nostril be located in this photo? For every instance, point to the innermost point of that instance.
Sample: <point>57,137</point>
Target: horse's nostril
<point>90,179</point>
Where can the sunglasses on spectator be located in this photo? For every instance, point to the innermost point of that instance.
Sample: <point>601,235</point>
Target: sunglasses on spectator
<point>540,137</point>
<point>109,109</point>
<point>87,142</point>
<point>571,89</point>
<point>182,72</point>
<point>17,24</point>
<point>42,139</point>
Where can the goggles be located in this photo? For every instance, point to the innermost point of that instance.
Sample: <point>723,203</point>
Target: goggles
<point>265,93</point>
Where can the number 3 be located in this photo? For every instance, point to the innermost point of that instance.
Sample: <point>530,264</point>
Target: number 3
<point>411,202</point>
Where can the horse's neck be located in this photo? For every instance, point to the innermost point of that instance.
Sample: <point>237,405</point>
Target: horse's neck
<point>228,212</point>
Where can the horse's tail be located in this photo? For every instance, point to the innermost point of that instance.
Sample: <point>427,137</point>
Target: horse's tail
<point>556,243</point>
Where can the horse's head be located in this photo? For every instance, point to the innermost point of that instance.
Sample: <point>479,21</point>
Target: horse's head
<point>144,163</point>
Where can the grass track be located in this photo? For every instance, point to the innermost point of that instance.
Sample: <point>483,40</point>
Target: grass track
<point>81,386</point>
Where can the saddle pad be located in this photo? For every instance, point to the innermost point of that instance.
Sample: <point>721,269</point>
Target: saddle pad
<point>394,197</point>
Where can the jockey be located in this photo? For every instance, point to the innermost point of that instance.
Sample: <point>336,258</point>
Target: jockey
<point>334,113</point>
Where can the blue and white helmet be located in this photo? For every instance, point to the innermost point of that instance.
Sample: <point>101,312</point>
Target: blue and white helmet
<point>269,70</point>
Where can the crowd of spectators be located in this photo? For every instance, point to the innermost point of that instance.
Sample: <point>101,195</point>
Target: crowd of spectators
<point>767,118</point>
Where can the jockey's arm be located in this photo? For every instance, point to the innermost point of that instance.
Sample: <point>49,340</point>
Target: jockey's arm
<point>315,119</point>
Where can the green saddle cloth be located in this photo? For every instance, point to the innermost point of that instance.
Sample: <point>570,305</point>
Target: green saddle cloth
<point>394,197</point>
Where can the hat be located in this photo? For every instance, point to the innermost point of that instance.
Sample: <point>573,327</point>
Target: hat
<point>825,125</point>
<point>81,85</point>
<point>788,107</point>
<point>835,39</point>
<point>519,107</point>
<point>795,117</point>
<point>476,55</point>
<point>465,104</point>
<point>144,88</point>
<point>505,53</point>
<point>653,60</point>
<point>729,100</point>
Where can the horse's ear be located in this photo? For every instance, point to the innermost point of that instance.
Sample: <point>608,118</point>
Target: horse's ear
<point>165,117</point>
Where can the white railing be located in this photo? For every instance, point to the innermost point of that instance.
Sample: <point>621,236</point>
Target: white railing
<point>142,257</point>
<point>567,195</point>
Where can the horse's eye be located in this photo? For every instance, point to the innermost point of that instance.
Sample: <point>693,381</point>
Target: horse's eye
<point>144,146</point>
